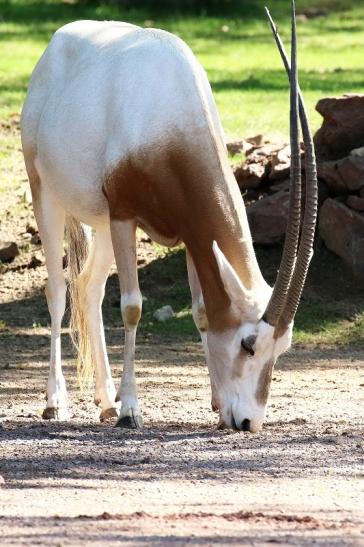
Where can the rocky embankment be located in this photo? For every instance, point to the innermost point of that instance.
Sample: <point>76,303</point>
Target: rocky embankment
<point>263,177</point>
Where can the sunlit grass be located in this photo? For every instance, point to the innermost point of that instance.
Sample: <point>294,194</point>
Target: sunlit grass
<point>238,53</point>
<point>339,333</point>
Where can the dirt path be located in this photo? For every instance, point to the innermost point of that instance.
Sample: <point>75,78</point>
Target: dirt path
<point>178,480</point>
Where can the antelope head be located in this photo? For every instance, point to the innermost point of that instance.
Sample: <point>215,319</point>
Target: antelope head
<point>241,359</point>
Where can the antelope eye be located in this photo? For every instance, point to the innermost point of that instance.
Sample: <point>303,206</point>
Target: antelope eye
<point>248,343</point>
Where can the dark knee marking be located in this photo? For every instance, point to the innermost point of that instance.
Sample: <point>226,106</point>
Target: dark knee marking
<point>201,319</point>
<point>131,315</point>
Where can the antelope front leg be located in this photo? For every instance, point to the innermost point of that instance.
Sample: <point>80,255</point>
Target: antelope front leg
<point>124,243</point>
<point>200,318</point>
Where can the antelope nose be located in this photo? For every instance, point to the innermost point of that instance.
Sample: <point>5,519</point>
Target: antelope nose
<point>245,425</point>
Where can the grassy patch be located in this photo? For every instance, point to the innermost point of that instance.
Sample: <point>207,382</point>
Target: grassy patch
<point>236,159</point>
<point>236,48</point>
<point>331,309</point>
<point>164,282</point>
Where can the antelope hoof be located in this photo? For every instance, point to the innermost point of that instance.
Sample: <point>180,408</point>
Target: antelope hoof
<point>53,413</point>
<point>108,414</point>
<point>132,421</point>
<point>97,401</point>
<point>221,424</point>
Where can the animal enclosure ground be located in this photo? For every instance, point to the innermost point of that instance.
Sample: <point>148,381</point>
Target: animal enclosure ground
<point>178,480</point>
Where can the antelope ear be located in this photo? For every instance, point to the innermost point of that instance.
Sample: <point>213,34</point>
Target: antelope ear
<point>236,291</point>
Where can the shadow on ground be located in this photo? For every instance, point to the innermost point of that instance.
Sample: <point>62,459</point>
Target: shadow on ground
<point>331,296</point>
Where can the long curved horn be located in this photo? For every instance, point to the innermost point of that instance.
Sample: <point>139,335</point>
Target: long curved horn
<point>286,269</point>
<point>305,251</point>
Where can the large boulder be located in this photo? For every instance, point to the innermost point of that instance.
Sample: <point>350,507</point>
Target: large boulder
<point>356,203</point>
<point>268,218</point>
<point>342,231</point>
<point>342,128</point>
<point>342,176</point>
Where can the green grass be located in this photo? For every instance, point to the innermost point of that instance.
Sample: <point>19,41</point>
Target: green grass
<point>165,282</point>
<point>243,65</point>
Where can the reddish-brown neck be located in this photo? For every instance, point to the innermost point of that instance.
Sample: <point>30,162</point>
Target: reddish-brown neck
<point>189,192</point>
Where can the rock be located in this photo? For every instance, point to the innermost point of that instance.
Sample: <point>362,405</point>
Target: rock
<point>264,152</point>
<point>236,147</point>
<point>323,192</point>
<point>8,251</point>
<point>282,186</point>
<point>361,192</point>
<point>27,196</point>
<point>342,231</point>
<point>356,203</point>
<point>358,152</point>
<point>268,218</point>
<point>257,140</point>
<point>249,175</point>
<point>36,260</point>
<point>266,160</point>
<point>343,126</point>
<point>280,164</point>
<point>164,313</point>
<point>345,175</point>
<point>31,228</point>
<point>36,239</point>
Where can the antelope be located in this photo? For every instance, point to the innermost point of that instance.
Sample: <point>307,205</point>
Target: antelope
<point>120,130</point>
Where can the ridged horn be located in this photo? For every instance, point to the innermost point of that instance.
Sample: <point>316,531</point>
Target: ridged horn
<point>278,299</point>
<point>305,250</point>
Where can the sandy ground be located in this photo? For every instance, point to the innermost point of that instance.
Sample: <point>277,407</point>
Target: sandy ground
<point>179,480</point>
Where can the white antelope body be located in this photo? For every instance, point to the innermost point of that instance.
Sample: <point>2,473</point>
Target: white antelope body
<point>120,130</point>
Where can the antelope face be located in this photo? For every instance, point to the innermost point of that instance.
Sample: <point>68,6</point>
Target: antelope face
<point>241,362</point>
<point>241,359</point>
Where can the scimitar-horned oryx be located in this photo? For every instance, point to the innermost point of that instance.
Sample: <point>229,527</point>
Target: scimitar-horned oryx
<point>120,130</point>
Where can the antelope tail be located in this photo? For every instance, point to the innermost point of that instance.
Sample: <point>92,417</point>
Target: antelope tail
<point>77,252</point>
